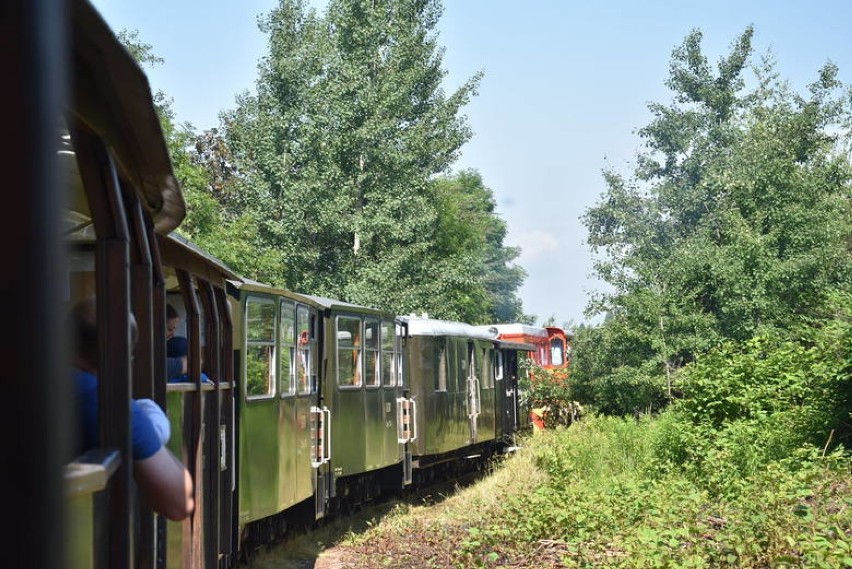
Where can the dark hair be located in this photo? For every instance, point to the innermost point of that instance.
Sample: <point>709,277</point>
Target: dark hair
<point>83,321</point>
<point>170,312</point>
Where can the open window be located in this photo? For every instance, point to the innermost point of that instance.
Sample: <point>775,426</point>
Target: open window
<point>349,351</point>
<point>371,352</point>
<point>287,363</point>
<point>306,375</point>
<point>260,347</point>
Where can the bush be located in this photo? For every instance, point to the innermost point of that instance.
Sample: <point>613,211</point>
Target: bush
<point>748,405</point>
<point>614,373</point>
<point>550,389</point>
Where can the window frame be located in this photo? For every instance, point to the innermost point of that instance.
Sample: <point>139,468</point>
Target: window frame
<point>372,347</point>
<point>557,345</point>
<point>358,368</point>
<point>309,352</point>
<point>248,342</point>
<point>441,376</point>
<point>388,370</point>
<point>400,361</point>
<point>287,349</point>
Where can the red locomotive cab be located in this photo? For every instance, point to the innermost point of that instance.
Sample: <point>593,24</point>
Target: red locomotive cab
<point>552,344</point>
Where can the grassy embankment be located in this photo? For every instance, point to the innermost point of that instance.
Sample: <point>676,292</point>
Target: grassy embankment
<point>743,470</point>
<point>594,495</point>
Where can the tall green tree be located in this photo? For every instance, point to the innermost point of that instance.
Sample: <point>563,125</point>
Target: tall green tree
<point>339,146</point>
<point>469,241</point>
<point>218,219</point>
<point>737,217</point>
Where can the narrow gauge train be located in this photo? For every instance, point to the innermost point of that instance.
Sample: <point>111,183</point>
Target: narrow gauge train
<point>332,403</point>
<point>293,406</point>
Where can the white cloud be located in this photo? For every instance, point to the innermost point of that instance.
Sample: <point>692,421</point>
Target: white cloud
<point>535,245</point>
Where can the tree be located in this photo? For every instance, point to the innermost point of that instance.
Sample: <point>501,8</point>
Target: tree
<point>469,242</point>
<point>736,218</point>
<point>340,144</point>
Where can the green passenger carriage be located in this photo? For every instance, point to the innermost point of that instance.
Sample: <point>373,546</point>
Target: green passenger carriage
<point>283,438</point>
<point>464,382</point>
<point>362,385</point>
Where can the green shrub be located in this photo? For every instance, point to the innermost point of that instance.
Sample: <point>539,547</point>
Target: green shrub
<point>747,405</point>
<point>605,504</point>
<point>598,448</point>
<point>550,389</point>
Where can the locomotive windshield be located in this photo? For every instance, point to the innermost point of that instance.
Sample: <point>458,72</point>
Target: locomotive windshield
<point>557,350</point>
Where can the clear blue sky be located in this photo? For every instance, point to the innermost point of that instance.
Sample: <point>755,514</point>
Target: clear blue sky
<point>566,85</point>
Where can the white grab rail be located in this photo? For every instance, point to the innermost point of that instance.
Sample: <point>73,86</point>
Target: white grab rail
<point>413,415</point>
<point>327,412</point>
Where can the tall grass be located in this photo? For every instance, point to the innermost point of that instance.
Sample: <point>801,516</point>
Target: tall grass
<point>596,449</point>
<point>593,496</point>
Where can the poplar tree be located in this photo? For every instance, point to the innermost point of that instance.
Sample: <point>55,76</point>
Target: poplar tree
<point>339,144</point>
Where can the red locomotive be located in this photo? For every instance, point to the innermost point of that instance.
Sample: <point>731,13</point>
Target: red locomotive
<point>552,344</point>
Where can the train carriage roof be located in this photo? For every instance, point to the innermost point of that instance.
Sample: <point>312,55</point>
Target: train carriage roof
<point>511,345</point>
<point>342,306</point>
<point>419,326</point>
<point>244,284</point>
<point>319,302</point>
<point>110,94</point>
<point>518,330</point>
<point>555,330</point>
<point>179,251</point>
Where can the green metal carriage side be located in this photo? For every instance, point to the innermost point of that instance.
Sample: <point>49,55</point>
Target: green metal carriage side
<point>464,383</point>
<point>283,443</point>
<point>363,388</point>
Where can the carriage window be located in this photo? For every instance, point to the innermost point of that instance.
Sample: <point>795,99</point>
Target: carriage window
<point>556,349</point>
<point>348,351</point>
<point>260,347</point>
<point>287,361</point>
<point>307,382</point>
<point>456,366</point>
<point>371,352</point>
<point>441,377</point>
<point>388,359</point>
<point>485,377</point>
<point>499,365</point>
<point>468,366</point>
<point>398,371</point>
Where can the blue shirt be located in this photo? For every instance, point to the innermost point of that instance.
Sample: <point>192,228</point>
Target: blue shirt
<point>174,367</point>
<point>145,440</point>
<point>184,378</point>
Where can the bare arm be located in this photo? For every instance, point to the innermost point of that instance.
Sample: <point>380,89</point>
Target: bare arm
<point>165,484</point>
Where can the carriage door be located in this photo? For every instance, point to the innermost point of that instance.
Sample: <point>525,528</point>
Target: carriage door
<point>474,404</point>
<point>509,372</point>
<point>309,401</point>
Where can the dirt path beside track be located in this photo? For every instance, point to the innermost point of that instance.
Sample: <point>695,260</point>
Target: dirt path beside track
<point>329,545</point>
